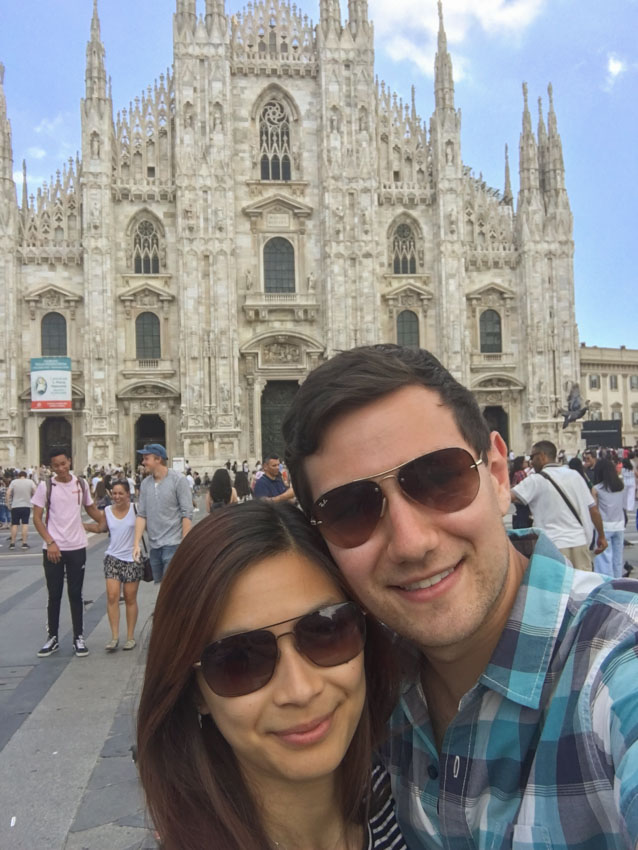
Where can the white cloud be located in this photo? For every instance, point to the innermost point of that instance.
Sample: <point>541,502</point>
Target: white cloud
<point>616,67</point>
<point>36,153</point>
<point>52,127</point>
<point>407,29</point>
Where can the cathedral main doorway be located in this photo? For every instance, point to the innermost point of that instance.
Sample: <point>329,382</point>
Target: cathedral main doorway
<point>54,431</point>
<point>275,401</point>
<point>498,420</point>
<point>149,428</point>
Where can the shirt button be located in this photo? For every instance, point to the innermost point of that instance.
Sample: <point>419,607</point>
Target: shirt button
<point>433,773</point>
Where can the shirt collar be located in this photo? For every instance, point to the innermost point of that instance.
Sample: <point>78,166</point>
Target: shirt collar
<point>520,661</point>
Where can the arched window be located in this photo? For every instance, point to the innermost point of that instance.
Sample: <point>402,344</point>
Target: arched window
<point>408,329</point>
<point>279,266</point>
<point>274,142</point>
<point>404,250</point>
<point>53,332</point>
<point>146,248</point>
<point>147,337</point>
<point>491,337</point>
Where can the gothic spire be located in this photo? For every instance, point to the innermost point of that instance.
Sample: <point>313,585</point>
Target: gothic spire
<point>357,14</point>
<point>555,163</point>
<point>330,15</point>
<point>507,194</point>
<point>528,155</point>
<point>216,16</point>
<point>6,149</point>
<point>542,146</point>
<point>443,76</point>
<point>95,71</point>
<point>186,15</point>
<point>25,191</point>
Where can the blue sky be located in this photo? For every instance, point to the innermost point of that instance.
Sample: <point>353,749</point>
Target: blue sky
<point>587,49</point>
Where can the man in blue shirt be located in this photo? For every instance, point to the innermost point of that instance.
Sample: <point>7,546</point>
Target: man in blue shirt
<point>271,485</point>
<point>518,722</point>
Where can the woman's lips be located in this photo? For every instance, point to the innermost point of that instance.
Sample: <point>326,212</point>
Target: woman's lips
<point>307,733</point>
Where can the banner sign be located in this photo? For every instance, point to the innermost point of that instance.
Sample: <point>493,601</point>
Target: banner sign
<point>51,383</point>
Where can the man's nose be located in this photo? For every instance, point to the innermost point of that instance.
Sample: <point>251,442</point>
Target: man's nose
<point>411,528</point>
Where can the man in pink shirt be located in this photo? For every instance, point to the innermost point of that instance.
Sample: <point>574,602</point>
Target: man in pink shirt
<point>64,545</point>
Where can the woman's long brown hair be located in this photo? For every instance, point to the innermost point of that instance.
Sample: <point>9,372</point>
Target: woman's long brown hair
<point>194,789</point>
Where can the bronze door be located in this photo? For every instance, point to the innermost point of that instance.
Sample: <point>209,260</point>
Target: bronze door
<point>275,401</point>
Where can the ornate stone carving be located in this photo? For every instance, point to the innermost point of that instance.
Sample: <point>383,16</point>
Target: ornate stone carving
<point>281,352</point>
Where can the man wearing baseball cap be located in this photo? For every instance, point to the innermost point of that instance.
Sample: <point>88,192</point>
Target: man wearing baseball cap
<point>165,509</point>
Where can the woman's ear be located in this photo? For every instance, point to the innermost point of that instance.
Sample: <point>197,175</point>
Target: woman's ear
<point>198,696</point>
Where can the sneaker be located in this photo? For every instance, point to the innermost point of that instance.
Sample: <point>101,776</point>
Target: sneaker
<point>79,646</point>
<point>12,546</point>
<point>49,647</point>
<point>25,546</point>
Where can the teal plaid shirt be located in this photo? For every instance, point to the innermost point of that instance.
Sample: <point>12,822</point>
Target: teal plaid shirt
<point>543,752</point>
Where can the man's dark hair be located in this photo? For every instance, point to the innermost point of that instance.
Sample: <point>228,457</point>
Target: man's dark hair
<point>22,473</point>
<point>547,448</point>
<point>271,456</point>
<point>56,451</point>
<point>355,378</point>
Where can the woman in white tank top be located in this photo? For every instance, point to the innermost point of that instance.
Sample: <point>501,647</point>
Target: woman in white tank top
<point>120,570</point>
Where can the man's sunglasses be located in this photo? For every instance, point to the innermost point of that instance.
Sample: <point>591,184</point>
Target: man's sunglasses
<point>446,480</point>
<point>243,663</point>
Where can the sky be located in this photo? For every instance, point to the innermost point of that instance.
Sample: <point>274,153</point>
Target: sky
<point>588,50</point>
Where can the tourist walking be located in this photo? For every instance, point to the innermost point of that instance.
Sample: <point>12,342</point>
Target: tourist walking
<point>271,485</point>
<point>165,510</point>
<point>609,490</point>
<point>120,571</point>
<point>19,495</point>
<point>57,516</point>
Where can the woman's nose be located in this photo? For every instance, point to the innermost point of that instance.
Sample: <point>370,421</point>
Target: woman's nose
<point>297,680</point>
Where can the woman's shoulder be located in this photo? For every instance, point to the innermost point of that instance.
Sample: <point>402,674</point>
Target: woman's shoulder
<point>383,828</point>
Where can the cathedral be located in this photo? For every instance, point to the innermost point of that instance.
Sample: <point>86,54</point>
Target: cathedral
<point>265,204</point>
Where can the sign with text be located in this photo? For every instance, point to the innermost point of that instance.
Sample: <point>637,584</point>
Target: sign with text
<point>51,383</point>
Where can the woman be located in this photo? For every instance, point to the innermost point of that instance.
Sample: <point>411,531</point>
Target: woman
<point>102,493</point>
<point>258,714</point>
<point>608,490</point>
<point>119,568</point>
<point>629,480</point>
<point>522,517</point>
<point>221,492</point>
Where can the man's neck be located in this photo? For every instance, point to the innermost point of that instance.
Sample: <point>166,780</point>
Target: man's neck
<point>160,472</point>
<point>64,479</point>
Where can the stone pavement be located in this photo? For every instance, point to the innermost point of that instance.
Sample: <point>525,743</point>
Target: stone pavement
<point>67,780</point>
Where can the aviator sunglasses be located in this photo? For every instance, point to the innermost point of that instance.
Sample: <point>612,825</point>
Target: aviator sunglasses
<point>243,663</point>
<point>446,480</point>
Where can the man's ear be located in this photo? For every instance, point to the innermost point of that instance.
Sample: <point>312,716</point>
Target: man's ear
<point>498,468</point>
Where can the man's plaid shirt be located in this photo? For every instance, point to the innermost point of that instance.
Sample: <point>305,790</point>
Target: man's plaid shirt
<point>543,752</point>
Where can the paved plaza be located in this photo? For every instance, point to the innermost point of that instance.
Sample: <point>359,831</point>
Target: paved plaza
<point>67,781</point>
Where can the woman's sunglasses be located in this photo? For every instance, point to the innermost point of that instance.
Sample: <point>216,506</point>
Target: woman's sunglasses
<point>243,663</point>
<point>446,480</point>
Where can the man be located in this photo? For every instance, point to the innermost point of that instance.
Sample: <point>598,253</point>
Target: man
<point>589,462</point>
<point>518,726</point>
<point>562,505</point>
<point>165,510</point>
<point>19,496</point>
<point>57,516</point>
<point>271,485</point>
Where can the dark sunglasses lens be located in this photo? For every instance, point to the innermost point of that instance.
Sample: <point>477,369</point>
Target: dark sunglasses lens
<point>333,635</point>
<point>240,664</point>
<point>447,480</point>
<point>349,514</point>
